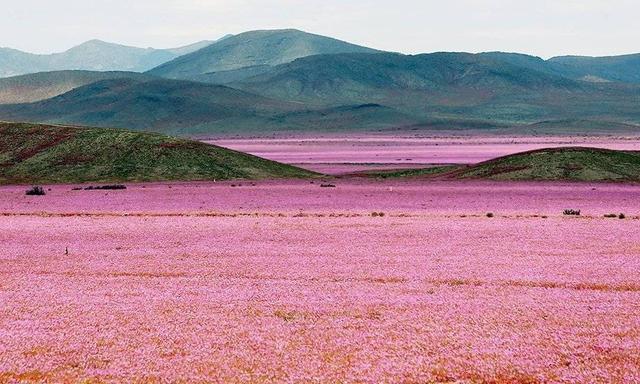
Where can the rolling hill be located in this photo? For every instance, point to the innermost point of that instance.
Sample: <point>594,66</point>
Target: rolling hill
<point>359,77</point>
<point>189,108</point>
<point>289,80</point>
<point>93,55</point>
<point>574,164</point>
<point>45,85</point>
<point>446,85</point>
<point>623,69</point>
<point>551,164</point>
<point>60,154</point>
<point>168,106</point>
<point>250,53</point>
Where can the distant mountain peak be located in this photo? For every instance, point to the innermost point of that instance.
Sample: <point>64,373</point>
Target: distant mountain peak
<point>254,49</point>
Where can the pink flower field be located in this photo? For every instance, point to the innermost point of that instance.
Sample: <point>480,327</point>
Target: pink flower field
<point>289,282</point>
<point>349,153</point>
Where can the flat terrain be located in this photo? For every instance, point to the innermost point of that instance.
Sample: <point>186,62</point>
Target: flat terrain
<point>344,154</point>
<point>289,281</point>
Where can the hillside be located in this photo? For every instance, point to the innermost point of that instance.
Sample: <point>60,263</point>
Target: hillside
<point>386,76</point>
<point>550,164</point>
<point>56,154</point>
<point>167,106</point>
<point>572,164</point>
<point>251,50</point>
<point>190,108</point>
<point>94,55</point>
<point>625,68</point>
<point>446,85</point>
<point>45,85</point>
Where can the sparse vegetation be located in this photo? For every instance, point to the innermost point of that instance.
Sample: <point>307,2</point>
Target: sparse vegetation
<point>101,187</point>
<point>35,191</point>
<point>575,164</point>
<point>43,154</point>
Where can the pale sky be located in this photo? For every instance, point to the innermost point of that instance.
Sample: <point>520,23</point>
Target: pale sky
<point>543,27</point>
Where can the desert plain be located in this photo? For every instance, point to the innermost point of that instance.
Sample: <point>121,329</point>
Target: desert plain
<point>362,280</point>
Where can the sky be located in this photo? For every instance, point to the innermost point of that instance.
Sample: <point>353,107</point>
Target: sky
<point>544,27</point>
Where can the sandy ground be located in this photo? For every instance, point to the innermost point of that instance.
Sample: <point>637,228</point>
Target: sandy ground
<point>290,282</point>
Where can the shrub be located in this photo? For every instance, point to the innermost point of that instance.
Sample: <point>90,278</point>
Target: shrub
<point>35,191</point>
<point>101,187</point>
<point>327,186</point>
<point>622,216</point>
<point>490,215</point>
<point>610,215</point>
<point>377,214</point>
<point>571,212</point>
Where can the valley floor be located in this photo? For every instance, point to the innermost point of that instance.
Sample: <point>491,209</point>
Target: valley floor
<point>288,281</point>
<point>351,153</point>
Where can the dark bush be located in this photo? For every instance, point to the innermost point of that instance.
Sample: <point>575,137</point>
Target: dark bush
<point>571,212</point>
<point>35,191</point>
<point>622,216</point>
<point>327,186</point>
<point>106,187</point>
<point>610,215</point>
<point>490,215</point>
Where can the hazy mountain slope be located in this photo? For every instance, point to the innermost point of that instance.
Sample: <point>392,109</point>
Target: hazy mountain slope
<point>360,76</point>
<point>45,85</point>
<point>191,108</point>
<point>94,55</point>
<point>444,85</point>
<point>56,154</point>
<point>352,91</point>
<point>191,47</point>
<point>624,68</point>
<point>160,105</point>
<point>252,49</point>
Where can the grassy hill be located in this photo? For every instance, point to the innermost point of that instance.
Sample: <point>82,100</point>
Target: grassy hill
<point>559,164</point>
<point>45,85</point>
<point>34,153</point>
<point>251,50</point>
<point>574,164</point>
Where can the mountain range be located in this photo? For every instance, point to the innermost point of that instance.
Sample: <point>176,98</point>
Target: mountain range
<point>289,80</point>
<point>93,55</point>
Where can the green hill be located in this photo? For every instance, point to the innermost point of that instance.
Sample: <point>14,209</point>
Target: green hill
<point>251,50</point>
<point>559,164</point>
<point>573,164</point>
<point>33,153</point>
